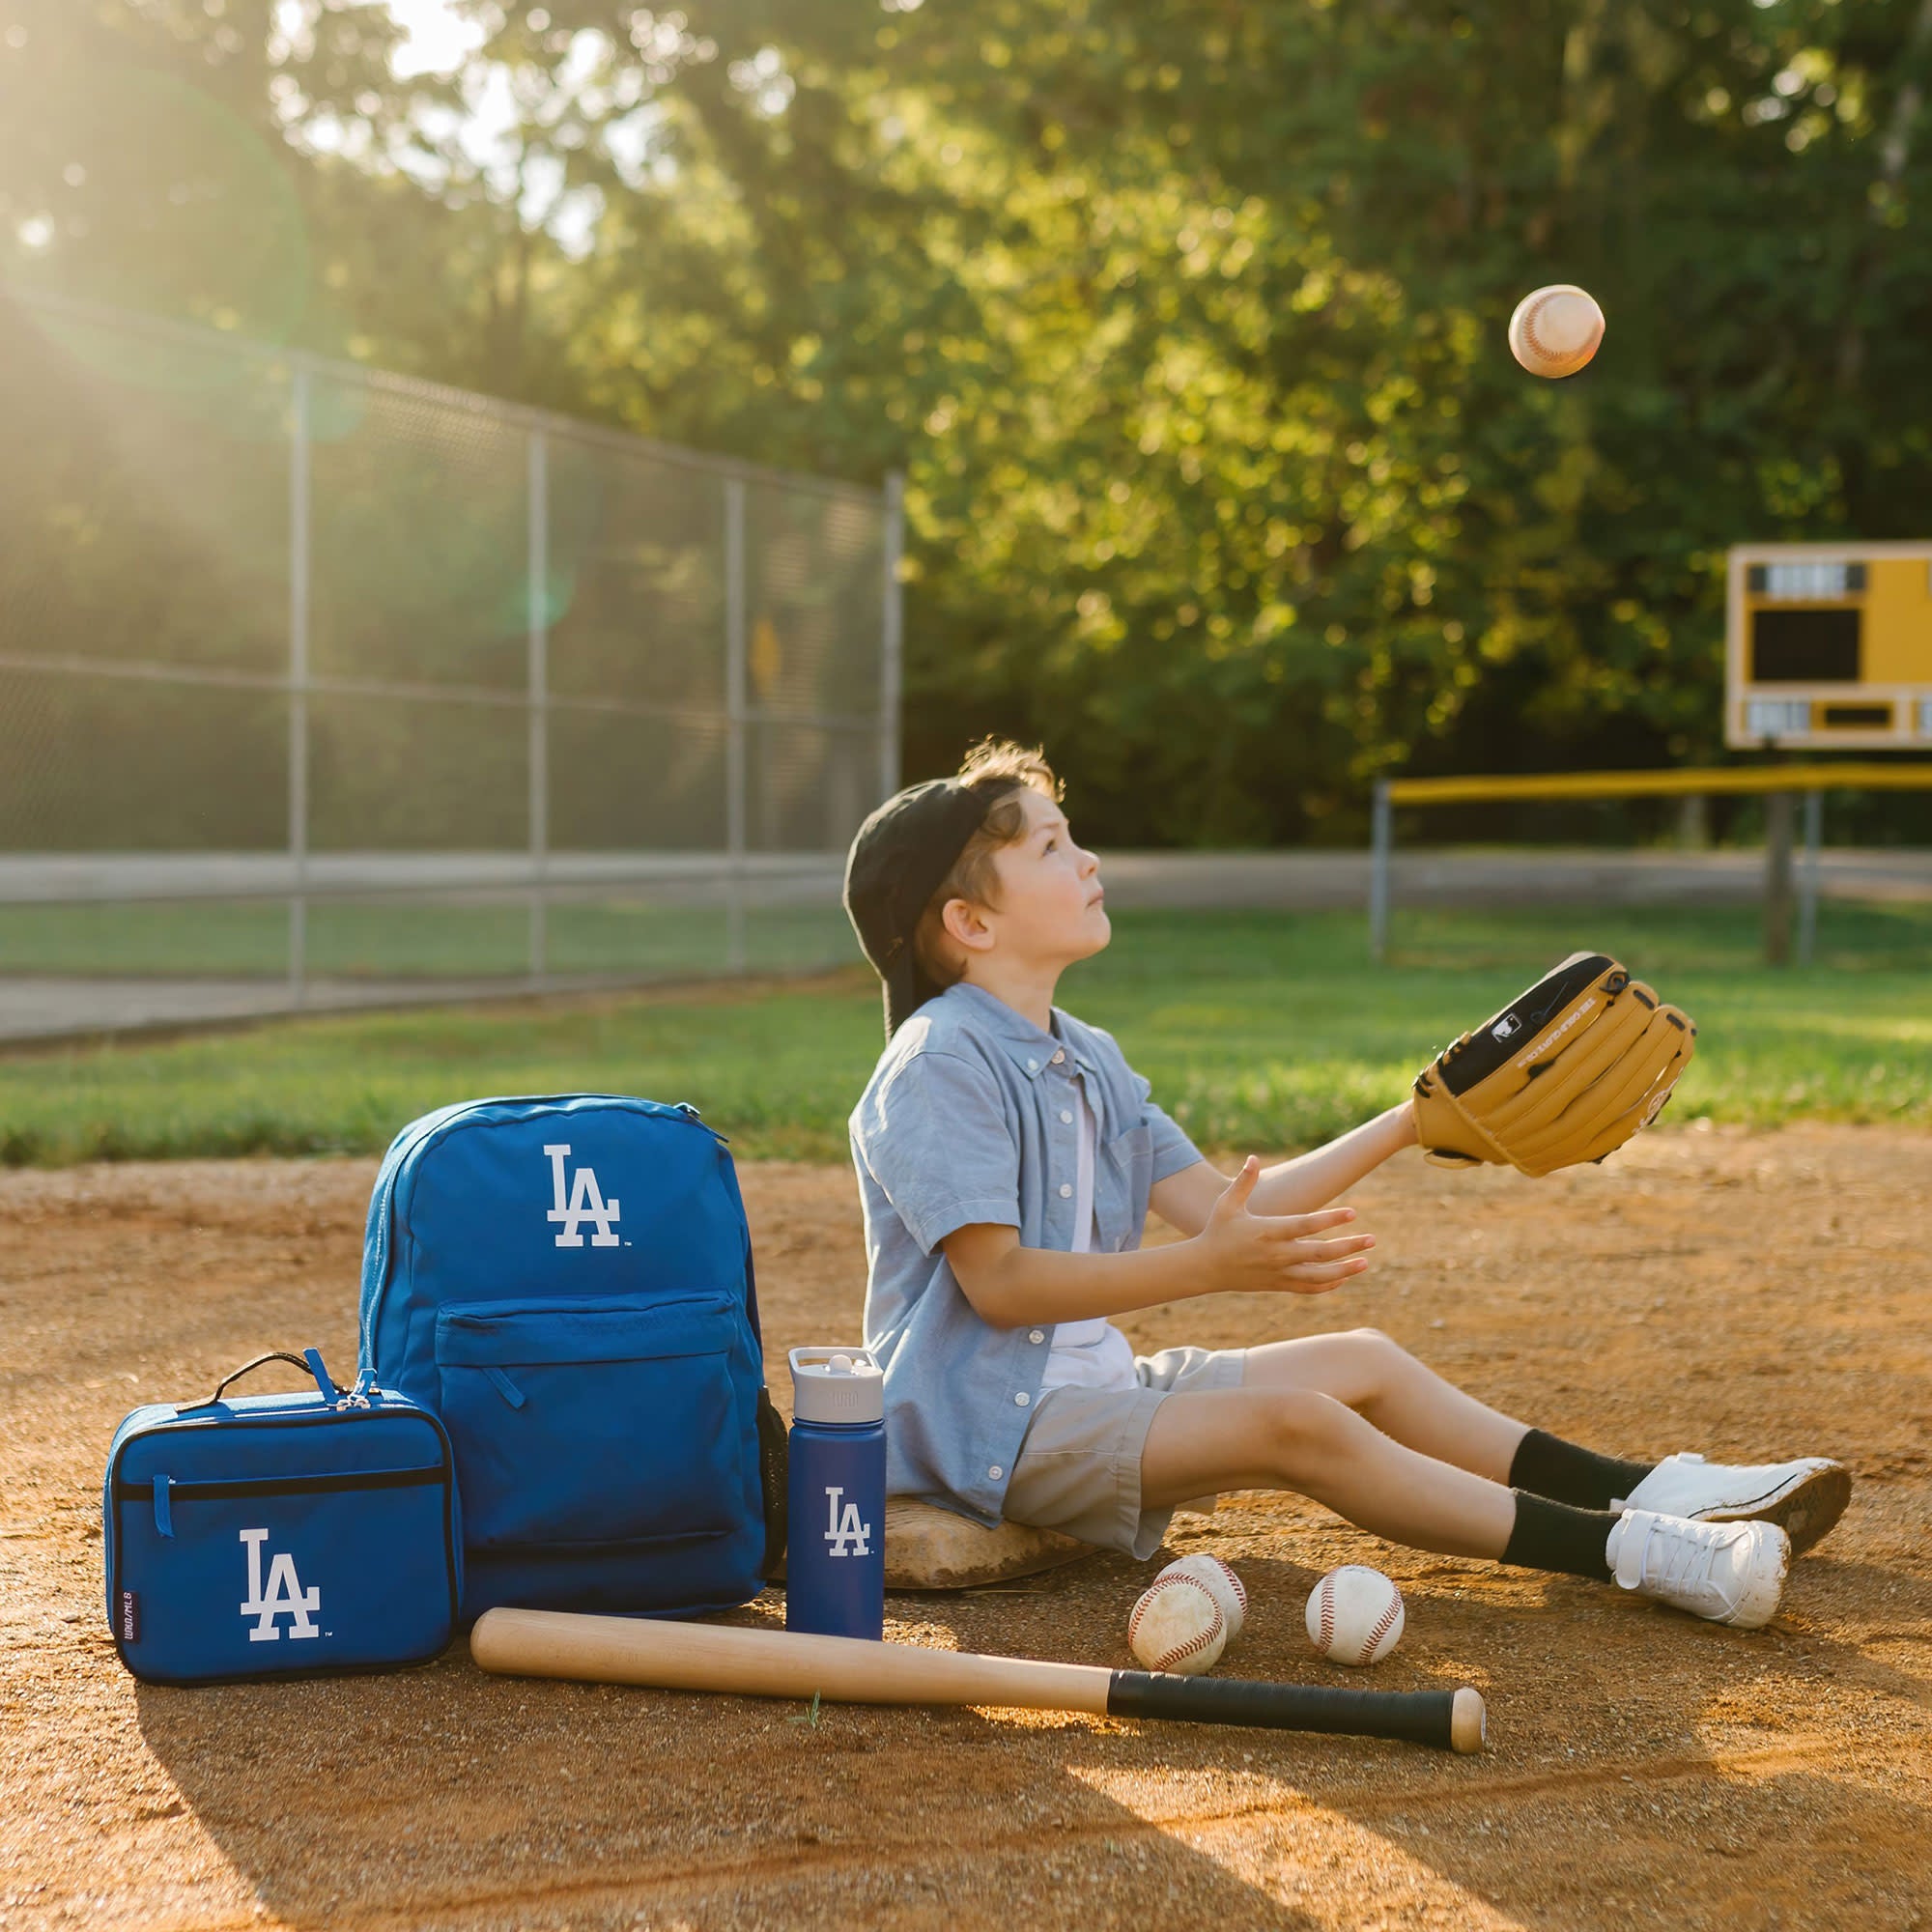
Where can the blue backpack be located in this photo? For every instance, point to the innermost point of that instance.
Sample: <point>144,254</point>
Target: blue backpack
<point>566,1282</point>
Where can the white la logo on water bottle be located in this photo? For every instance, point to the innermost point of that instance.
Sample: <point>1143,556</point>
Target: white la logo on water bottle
<point>285,1596</point>
<point>845,1533</point>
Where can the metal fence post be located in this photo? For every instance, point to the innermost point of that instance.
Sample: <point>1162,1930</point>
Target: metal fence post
<point>539,699</point>
<point>734,724</point>
<point>1778,823</point>
<point>892,636</point>
<point>299,612</point>
<point>1808,881</point>
<point>1382,841</point>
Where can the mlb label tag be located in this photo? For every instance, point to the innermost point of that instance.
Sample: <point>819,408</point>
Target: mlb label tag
<point>131,1616</point>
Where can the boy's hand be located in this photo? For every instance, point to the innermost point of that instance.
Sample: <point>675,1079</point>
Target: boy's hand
<point>1253,1253</point>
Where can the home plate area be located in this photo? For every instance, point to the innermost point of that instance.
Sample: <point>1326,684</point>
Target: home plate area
<point>1749,1295</point>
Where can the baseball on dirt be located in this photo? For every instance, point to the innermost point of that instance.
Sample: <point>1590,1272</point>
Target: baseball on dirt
<point>1355,1615</point>
<point>1177,1626</point>
<point>1555,331</point>
<point>1223,1585</point>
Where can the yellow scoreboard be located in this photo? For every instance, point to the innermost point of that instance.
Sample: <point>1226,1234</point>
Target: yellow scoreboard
<point>1829,644</point>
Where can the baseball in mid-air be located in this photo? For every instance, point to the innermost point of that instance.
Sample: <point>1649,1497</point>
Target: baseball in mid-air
<point>1355,1615</point>
<point>1223,1585</point>
<point>1177,1626</point>
<point>1555,331</point>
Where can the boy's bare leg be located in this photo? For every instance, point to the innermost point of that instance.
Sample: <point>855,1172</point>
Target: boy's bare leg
<point>1292,1438</point>
<point>1379,1378</point>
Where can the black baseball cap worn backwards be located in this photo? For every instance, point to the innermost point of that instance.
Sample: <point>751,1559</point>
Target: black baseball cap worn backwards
<point>899,860</point>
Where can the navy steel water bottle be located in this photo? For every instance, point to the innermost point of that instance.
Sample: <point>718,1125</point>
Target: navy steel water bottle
<point>836,1540</point>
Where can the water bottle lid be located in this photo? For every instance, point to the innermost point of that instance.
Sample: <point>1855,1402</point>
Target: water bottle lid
<point>837,1386</point>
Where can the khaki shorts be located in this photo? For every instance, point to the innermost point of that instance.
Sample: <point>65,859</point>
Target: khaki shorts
<point>1079,1468</point>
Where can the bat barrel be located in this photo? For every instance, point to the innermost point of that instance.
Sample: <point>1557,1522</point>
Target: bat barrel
<point>1452,1719</point>
<point>673,1656</point>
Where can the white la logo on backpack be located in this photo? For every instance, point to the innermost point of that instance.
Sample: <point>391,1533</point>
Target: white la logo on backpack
<point>285,1596</point>
<point>845,1533</point>
<point>586,1202</point>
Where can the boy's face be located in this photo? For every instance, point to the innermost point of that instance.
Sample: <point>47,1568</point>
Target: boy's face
<point>1050,910</point>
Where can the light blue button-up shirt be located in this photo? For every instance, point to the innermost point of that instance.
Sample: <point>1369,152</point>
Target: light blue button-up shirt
<point>970,1115</point>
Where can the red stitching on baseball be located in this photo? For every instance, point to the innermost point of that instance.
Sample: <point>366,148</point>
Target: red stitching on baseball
<point>1529,334</point>
<point>1327,1598</point>
<point>1234,1583</point>
<point>1200,1640</point>
<point>1383,1625</point>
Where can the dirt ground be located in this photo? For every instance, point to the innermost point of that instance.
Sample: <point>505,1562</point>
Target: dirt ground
<point>1746,1295</point>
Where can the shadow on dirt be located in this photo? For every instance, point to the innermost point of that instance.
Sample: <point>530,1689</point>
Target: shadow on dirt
<point>447,1797</point>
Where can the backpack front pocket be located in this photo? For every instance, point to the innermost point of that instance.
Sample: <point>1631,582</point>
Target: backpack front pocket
<point>598,1421</point>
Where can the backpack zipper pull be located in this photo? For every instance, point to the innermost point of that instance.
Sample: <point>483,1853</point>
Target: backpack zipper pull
<point>164,1521</point>
<point>504,1387</point>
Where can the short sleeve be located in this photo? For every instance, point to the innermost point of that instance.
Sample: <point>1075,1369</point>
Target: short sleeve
<point>1173,1150</point>
<point>934,1136</point>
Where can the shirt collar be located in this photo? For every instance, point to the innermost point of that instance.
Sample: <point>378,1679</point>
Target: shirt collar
<point>1030,1049</point>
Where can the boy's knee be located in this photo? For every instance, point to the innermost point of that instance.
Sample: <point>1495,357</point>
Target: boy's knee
<point>1383,1353</point>
<point>1304,1427</point>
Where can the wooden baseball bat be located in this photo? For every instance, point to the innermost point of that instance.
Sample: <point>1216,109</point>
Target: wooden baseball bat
<point>852,1670</point>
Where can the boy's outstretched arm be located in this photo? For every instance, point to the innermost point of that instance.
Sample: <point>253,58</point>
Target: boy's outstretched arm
<point>1237,1250</point>
<point>1298,1186</point>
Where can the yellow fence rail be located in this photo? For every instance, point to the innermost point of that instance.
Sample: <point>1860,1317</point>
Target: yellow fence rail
<point>1778,785</point>
<point>1686,782</point>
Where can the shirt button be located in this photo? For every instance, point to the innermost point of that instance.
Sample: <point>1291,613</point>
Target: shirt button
<point>1058,1058</point>
<point>996,1472</point>
<point>1033,1067</point>
<point>1037,1335</point>
<point>1065,1118</point>
<point>1022,1398</point>
<point>1066,1188</point>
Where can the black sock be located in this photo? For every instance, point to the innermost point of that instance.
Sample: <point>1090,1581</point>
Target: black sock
<point>1555,1536</point>
<point>1546,1466</point>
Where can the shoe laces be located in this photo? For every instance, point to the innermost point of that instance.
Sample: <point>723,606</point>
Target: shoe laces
<point>1672,1556</point>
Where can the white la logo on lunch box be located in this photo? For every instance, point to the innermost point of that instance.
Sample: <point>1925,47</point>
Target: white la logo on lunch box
<point>285,1596</point>
<point>845,1533</point>
<point>586,1202</point>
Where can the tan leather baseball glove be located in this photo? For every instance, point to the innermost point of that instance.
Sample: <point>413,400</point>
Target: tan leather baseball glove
<point>1568,1072</point>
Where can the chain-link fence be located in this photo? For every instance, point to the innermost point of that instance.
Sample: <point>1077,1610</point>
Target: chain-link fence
<point>319,683</point>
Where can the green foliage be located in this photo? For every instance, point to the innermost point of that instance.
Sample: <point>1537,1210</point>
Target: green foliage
<point>1258,1031</point>
<point>1186,320</point>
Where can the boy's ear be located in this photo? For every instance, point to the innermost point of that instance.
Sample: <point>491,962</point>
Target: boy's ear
<point>965,925</point>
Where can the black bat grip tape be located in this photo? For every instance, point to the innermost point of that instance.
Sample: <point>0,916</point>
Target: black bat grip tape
<point>1421,1717</point>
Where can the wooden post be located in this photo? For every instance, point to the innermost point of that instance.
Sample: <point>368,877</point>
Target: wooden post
<point>1779,817</point>
<point>1807,892</point>
<point>1380,855</point>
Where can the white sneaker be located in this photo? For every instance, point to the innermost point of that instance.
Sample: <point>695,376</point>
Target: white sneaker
<point>1732,1573</point>
<point>1805,1498</point>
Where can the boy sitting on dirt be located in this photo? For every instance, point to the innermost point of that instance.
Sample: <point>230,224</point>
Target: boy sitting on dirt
<point>1007,1157</point>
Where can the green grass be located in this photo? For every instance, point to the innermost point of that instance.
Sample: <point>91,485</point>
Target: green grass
<point>390,939</point>
<point>1258,1031</point>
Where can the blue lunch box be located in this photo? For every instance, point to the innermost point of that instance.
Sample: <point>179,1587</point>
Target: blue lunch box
<point>281,1535</point>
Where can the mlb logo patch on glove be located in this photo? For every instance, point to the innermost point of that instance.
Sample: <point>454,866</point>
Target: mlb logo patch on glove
<point>1566,1072</point>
